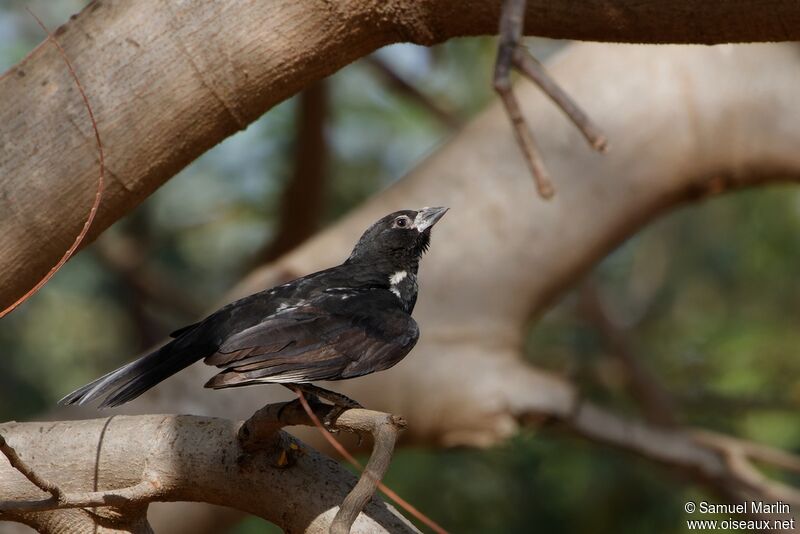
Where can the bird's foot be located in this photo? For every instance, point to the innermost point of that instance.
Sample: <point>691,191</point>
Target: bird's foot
<point>330,419</point>
<point>340,402</point>
<point>340,405</point>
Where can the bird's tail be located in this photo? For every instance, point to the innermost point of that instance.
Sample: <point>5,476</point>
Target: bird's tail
<point>133,379</point>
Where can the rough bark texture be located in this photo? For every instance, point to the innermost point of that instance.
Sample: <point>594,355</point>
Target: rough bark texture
<point>169,80</point>
<point>132,461</point>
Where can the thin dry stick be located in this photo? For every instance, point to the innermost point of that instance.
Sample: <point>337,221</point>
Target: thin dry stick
<point>20,465</point>
<point>385,436</point>
<point>100,181</point>
<point>402,503</point>
<point>141,492</point>
<point>511,54</point>
<point>535,71</point>
<point>510,34</point>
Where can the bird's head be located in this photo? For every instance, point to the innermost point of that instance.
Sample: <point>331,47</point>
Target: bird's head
<point>398,240</point>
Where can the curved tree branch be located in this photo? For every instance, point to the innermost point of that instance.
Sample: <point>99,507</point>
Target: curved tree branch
<point>252,466</point>
<point>169,81</point>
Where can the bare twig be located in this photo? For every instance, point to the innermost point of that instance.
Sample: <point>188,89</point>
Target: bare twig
<point>512,54</point>
<point>20,465</point>
<point>132,495</point>
<point>401,85</point>
<point>737,456</point>
<point>535,71</point>
<point>385,429</point>
<point>61,500</point>
<point>343,422</point>
<point>100,180</point>
<point>259,430</point>
<point>752,450</point>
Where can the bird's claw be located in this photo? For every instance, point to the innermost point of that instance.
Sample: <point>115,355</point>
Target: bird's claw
<point>330,418</point>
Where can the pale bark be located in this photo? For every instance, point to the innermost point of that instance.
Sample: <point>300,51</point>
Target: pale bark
<point>125,463</point>
<point>169,80</point>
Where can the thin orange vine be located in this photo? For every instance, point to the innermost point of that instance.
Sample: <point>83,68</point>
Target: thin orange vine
<point>100,181</point>
<point>402,503</point>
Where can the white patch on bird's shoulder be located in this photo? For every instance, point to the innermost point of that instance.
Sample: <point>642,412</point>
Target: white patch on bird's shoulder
<point>396,292</point>
<point>283,306</point>
<point>397,277</point>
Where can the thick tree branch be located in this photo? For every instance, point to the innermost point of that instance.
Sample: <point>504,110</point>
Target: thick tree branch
<point>253,467</point>
<point>226,63</point>
<point>98,196</point>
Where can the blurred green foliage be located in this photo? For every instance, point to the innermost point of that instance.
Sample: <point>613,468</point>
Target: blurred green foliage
<point>708,297</point>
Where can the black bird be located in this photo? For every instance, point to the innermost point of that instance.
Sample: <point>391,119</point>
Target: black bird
<point>343,322</point>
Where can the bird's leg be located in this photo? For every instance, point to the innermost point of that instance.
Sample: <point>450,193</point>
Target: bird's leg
<point>333,397</point>
<point>340,402</point>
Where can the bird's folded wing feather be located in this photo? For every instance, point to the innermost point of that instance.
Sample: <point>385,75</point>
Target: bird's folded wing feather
<point>324,339</point>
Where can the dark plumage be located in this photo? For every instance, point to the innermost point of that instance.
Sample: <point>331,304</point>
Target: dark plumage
<point>343,322</point>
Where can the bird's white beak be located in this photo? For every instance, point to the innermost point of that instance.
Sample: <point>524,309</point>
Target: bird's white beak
<point>427,217</point>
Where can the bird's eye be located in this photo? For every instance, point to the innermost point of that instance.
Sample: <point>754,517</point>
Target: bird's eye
<point>401,222</point>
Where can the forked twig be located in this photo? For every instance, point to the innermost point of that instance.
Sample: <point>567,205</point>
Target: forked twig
<point>60,499</point>
<point>259,431</point>
<point>20,465</point>
<point>371,476</point>
<point>535,71</point>
<point>512,54</point>
<point>100,181</point>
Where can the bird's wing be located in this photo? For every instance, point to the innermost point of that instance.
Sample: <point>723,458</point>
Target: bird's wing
<point>339,334</point>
